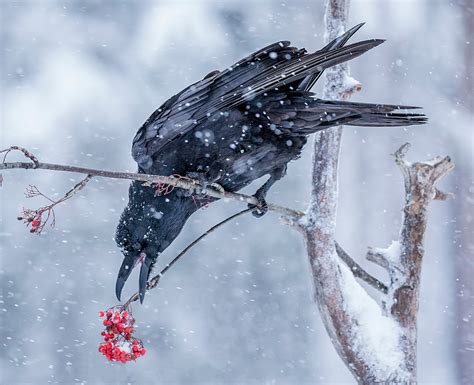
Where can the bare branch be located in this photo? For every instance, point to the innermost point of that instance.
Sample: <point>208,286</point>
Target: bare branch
<point>441,196</point>
<point>153,282</point>
<point>173,181</point>
<point>330,282</point>
<point>405,266</point>
<point>37,219</point>
<point>359,272</point>
<point>376,256</point>
<point>25,152</point>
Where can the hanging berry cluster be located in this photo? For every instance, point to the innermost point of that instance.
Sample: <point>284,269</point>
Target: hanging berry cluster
<point>119,343</point>
<point>34,218</point>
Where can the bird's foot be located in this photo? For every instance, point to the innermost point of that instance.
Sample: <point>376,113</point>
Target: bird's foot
<point>203,184</point>
<point>217,187</point>
<point>261,208</point>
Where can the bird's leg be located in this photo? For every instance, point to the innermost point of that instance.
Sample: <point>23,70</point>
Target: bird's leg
<point>261,193</point>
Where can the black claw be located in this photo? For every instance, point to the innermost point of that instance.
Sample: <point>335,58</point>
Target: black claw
<point>260,209</point>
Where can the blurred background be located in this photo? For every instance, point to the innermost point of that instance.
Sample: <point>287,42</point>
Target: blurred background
<point>79,78</point>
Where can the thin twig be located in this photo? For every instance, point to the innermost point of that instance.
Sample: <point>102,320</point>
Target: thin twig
<point>359,272</point>
<point>28,154</point>
<point>174,181</point>
<point>35,218</point>
<point>180,182</point>
<point>153,282</point>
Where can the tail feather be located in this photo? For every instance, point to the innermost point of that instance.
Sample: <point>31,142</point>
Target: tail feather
<point>366,107</point>
<point>392,119</point>
<point>302,114</point>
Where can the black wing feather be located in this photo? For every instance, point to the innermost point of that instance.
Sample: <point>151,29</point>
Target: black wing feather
<point>275,66</point>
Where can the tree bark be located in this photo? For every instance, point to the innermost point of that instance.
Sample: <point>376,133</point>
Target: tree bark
<point>378,345</point>
<point>320,224</point>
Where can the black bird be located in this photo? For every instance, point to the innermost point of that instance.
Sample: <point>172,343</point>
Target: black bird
<point>230,128</point>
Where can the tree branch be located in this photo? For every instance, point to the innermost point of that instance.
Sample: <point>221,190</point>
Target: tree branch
<point>291,216</point>
<point>376,346</point>
<point>376,256</point>
<point>358,271</point>
<point>174,181</point>
<point>405,256</point>
<point>319,229</point>
<point>153,282</point>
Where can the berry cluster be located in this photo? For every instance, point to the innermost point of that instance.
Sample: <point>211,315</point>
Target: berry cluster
<point>119,343</point>
<point>33,219</point>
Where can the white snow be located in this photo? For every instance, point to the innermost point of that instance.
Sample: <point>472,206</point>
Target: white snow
<point>392,253</point>
<point>350,83</point>
<point>375,336</point>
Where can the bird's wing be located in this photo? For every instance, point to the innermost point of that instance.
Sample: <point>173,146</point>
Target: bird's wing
<point>183,111</point>
<point>277,66</point>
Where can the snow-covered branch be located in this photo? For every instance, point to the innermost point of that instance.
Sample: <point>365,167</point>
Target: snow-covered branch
<point>403,258</point>
<point>377,345</point>
<point>341,301</point>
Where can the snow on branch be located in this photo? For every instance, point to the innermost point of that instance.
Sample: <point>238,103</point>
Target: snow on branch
<point>377,344</point>
<point>404,257</point>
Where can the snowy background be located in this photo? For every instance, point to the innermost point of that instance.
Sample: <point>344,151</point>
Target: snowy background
<point>79,78</point>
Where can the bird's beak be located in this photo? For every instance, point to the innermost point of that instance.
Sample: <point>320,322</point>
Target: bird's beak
<point>129,262</point>
<point>144,273</point>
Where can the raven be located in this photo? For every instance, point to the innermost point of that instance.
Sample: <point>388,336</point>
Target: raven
<point>231,128</point>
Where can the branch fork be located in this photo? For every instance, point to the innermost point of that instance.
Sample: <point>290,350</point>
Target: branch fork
<point>402,261</point>
<point>373,354</point>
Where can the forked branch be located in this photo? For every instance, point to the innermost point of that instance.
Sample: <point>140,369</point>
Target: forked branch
<point>404,257</point>
<point>378,345</point>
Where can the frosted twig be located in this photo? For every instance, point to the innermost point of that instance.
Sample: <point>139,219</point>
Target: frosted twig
<point>375,256</point>
<point>38,218</point>
<point>179,182</point>
<point>441,196</point>
<point>293,216</point>
<point>28,154</point>
<point>359,272</point>
<point>153,282</point>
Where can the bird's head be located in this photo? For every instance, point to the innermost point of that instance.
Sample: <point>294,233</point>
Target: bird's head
<point>147,226</point>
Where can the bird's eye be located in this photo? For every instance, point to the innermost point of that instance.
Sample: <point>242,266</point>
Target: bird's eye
<point>137,246</point>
